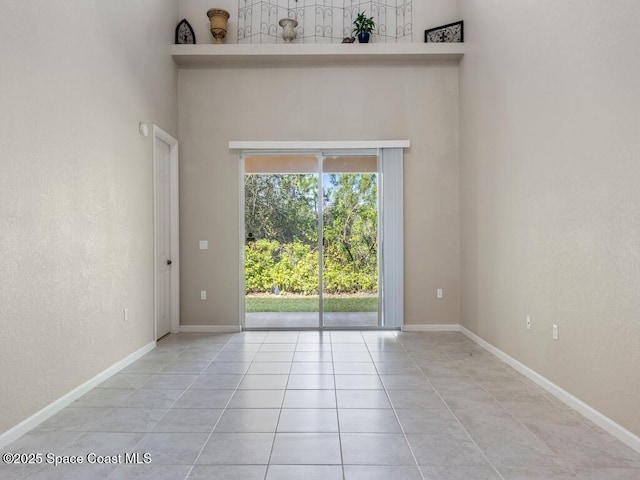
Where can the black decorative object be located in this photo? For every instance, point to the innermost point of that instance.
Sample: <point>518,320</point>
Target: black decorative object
<point>185,34</point>
<point>450,33</point>
<point>363,37</point>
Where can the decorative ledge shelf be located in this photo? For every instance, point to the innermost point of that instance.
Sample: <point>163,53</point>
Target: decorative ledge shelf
<point>273,55</point>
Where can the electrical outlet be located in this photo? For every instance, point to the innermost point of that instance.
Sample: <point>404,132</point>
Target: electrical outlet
<point>204,244</point>
<point>528,322</point>
<point>439,293</point>
<point>203,294</point>
<point>125,315</point>
<point>555,332</point>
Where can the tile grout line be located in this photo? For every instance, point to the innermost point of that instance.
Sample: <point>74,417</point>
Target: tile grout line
<point>395,414</point>
<point>457,419</point>
<point>185,390</point>
<point>517,420</point>
<point>275,430</point>
<point>223,410</point>
<point>335,394</point>
<point>145,433</point>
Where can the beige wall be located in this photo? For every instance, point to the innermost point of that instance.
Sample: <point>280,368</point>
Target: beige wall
<point>76,231</point>
<point>550,168</point>
<point>369,103</point>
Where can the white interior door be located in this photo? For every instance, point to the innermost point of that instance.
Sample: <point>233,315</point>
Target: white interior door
<point>163,238</point>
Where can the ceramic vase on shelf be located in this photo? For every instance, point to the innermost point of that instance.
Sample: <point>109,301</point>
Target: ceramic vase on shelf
<point>219,19</point>
<point>288,29</point>
<point>363,37</point>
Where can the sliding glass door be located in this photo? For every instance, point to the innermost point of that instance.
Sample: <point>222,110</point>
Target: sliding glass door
<point>311,241</point>
<point>281,265</point>
<point>350,241</point>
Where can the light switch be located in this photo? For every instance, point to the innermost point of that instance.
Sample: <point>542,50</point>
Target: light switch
<point>204,244</point>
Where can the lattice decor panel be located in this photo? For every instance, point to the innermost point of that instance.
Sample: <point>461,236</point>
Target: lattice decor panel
<point>323,21</point>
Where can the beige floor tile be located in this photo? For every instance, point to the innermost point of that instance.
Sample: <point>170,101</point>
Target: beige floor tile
<point>332,405</point>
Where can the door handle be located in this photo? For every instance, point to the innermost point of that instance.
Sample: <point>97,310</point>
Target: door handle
<point>168,262</point>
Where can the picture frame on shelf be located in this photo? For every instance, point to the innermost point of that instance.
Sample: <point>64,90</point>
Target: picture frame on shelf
<point>185,34</point>
<point>450,33</point>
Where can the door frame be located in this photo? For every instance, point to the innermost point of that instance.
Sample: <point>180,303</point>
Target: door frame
<point>174,222</point>
<point>321,150</point>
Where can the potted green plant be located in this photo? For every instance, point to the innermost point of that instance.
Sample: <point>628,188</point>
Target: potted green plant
<point>363,26</point>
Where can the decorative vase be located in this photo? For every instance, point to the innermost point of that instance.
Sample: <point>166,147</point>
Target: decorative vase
<point>218,19</point>
<point>363,37</point>
<point>288,29</point>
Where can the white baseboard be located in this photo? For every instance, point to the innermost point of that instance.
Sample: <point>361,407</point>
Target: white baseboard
<point>604,422</point>
<point>424,327</point>
<point>53,408</point>
<point>210,328</point>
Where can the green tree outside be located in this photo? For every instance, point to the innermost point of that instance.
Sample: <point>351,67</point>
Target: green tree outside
<point>281,212</point>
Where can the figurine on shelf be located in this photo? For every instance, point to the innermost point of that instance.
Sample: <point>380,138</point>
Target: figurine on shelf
<point>288,29</point>
<point>349,40</point>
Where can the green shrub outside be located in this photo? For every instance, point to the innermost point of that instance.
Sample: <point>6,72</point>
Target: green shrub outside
<point>294,268</point>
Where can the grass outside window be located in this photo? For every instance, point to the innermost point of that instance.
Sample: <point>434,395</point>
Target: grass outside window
<point>310,304</point>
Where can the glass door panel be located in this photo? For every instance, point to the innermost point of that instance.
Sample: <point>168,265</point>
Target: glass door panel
<point>281,266</point>
<point>350,235</point>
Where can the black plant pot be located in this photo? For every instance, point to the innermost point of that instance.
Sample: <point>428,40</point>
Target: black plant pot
<point>363,37</point>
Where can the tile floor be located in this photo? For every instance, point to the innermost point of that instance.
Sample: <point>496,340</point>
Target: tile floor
<point>341,405</point>
<point>273,320</point>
